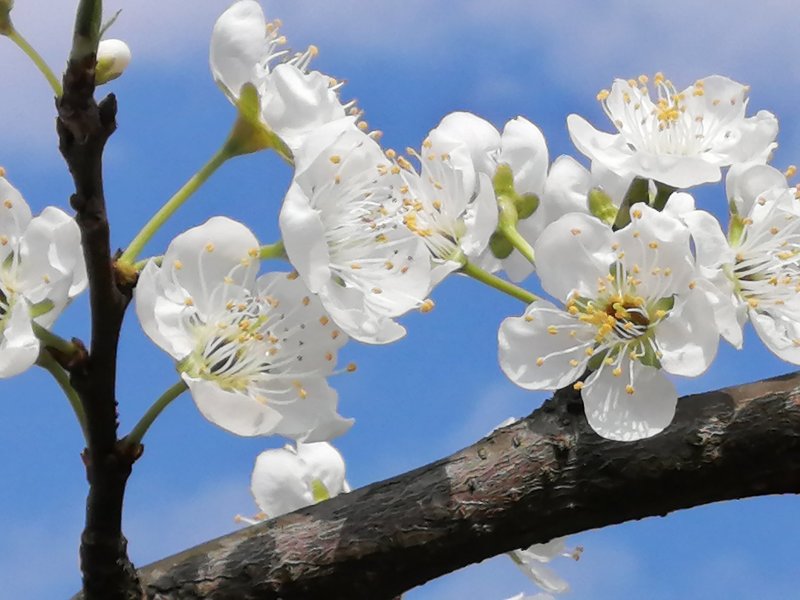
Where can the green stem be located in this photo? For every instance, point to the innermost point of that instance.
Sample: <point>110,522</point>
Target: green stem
<point>50,339</point>
<point>47,362</point>
<point>501,284</point>
<point>137,433</point>
<point>23,45</point>
<point>519,242</point>
<point>276,250</point>
<point>173,204</point>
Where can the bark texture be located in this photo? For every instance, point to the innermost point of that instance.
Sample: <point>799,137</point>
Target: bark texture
<point>545,476</point>
<point>83,127</point>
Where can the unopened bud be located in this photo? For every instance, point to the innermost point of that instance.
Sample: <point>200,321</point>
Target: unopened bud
<point>113,57</point>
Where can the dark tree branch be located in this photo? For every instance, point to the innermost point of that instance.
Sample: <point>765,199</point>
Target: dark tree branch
<point>546,476</point>
<point>83,129</point>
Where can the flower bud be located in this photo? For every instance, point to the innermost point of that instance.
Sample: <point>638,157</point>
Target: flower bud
<point>113,57</point>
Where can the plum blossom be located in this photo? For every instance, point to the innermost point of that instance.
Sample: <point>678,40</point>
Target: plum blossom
<point>521,148</point>
<point>630,312</point>
<point>754,273</point>
<point>41,270</point>
<point>447,203</point>
<point>343,233</point>
<point>289,478</point>
<point>533,562</point>
<point>254,352</point>
<point>681,138</point>
<point>246,49</point>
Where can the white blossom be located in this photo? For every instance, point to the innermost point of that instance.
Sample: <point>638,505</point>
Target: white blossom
<point>522,148</point>
<point>677,138</point>
<point>254,353</point>
<point>41,270</point>
<point>533,561</point>
<point>630,311</point>
<point>448,204</point>
<point>246,49</point>
<point>754,273</point>
<point>289,478</point>
<point>343,233</point>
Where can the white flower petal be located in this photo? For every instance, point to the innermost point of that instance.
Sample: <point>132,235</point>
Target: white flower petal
<point>615,414</point>
<point>19,347</point>
<point>572,254</point>
<point>688,338</point>
<point>524,340</point>
<point>238,45</point>
<point>233,411</point>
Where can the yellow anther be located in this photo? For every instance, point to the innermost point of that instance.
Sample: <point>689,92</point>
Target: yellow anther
<point>351,368</point>
<point>575,231</point>
<point>355,266</point>
<point>528,318</point>
<point>552,329</point>
<point>589,351</point>
<point>188,302</point>
<point>362,125</point>
<point>306,300</point>
<point>574,363</point>
<point>376,290</point>
<point>753,302</point>
<point>539,361</point>
<point>437,204</point>
<point>427,306</point>
<point>8,203</point>
<point>177,264</point>
<point>643,79</point>
<point>292,276</point>
<point>603,95</point>
<point>653,245</point>
<point>209,247</point>
<point>660,313</point>
<point>617,372</point>
<point>774,230</point>
<point>692,285</point>
<point>630,390</point>
<point>329,356</point>
<point>577,386</point>
<point>335,159</point>
<point>659,77</point>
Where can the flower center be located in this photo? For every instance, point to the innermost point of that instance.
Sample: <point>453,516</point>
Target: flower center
<point>232,348</point>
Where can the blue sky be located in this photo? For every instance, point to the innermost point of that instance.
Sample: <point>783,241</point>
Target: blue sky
<point>438,389</point>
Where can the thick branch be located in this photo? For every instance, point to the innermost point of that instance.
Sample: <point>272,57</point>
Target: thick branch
<point>83,129</point>
<point>546,476</point>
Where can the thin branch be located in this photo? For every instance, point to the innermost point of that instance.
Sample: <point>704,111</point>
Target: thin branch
<point>83,127</point>
<point>546,476</point>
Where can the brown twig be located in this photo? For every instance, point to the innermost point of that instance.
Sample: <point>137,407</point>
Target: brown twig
<point>83,129</point>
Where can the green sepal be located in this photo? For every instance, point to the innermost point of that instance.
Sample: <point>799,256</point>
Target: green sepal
<point>601,206</point>
<point>500,246</point>
<point>503,183</point>
<point>649,359</point>
<point>318,491</point>
<point>638,191</point>
<point>250,134</point>
<point>526,205</point>
<point>664,304</point>
<point>735,229</point>
<point>596,361</point>
<point>41,308</point>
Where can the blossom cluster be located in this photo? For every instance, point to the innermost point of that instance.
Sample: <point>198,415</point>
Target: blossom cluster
<point>640,282</point>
